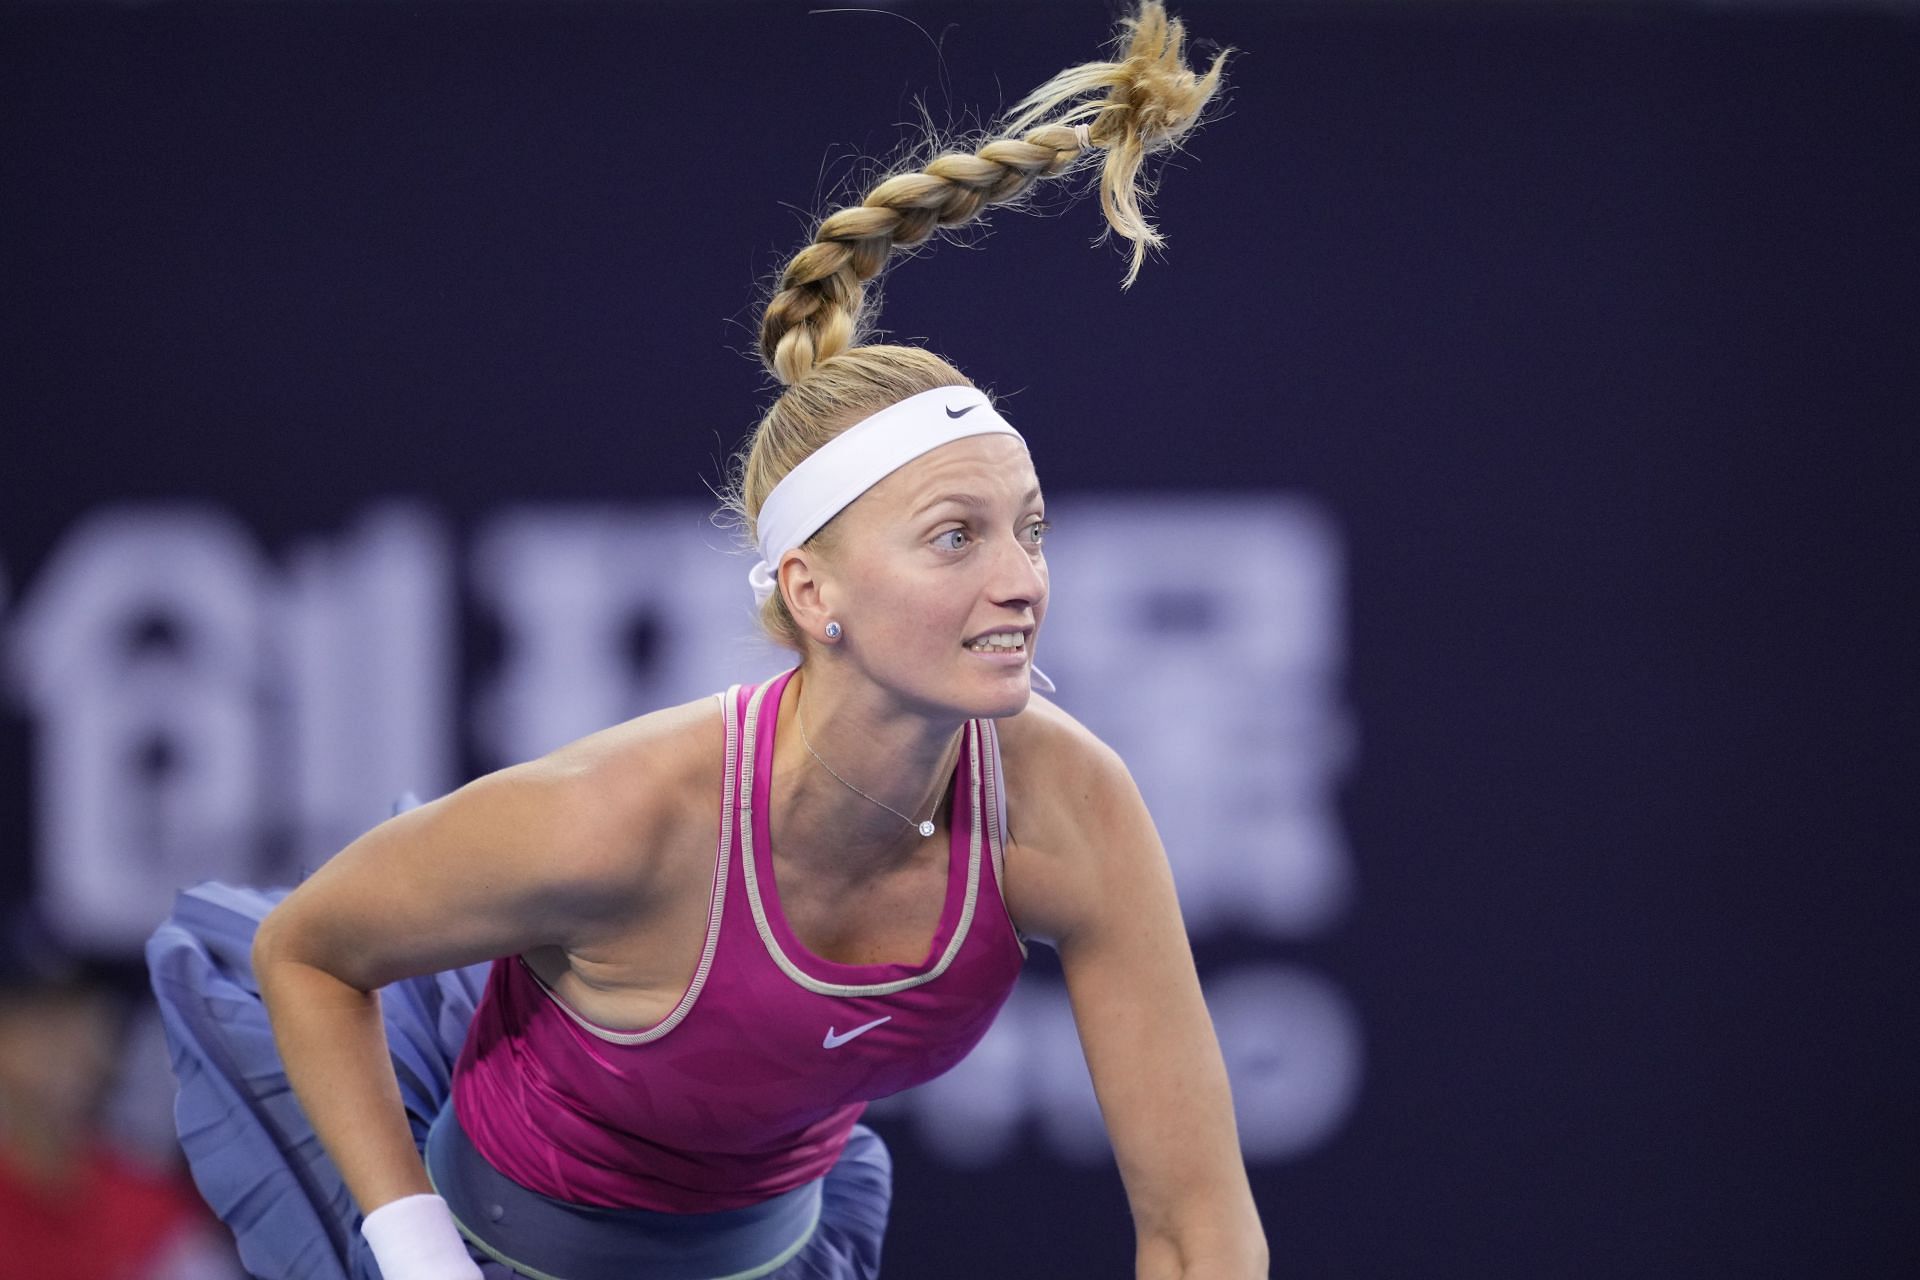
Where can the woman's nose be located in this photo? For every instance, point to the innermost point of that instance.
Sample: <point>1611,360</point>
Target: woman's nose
<point>1020,576</point>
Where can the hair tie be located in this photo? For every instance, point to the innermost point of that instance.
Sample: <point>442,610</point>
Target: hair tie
<point>1083,134</point>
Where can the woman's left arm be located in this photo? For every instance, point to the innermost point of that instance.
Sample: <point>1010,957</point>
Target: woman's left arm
<point>1095,883</point>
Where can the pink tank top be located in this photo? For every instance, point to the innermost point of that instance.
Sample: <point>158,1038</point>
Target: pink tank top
<point>749,1087</point>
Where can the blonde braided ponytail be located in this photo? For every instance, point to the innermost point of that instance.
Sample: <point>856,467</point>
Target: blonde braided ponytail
<point>1141,102</point>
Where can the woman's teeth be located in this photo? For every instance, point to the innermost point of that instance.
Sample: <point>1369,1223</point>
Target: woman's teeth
<point>1007,643</point>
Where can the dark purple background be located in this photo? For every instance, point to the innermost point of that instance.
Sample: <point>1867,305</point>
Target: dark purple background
<point>1595,328</point>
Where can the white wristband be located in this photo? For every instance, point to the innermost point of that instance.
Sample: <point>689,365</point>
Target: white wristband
<point>413,1238</point>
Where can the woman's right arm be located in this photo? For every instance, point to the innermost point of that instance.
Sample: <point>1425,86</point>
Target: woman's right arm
<point>531,855</point>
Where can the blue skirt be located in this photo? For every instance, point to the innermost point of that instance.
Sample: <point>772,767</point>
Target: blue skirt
<point>256,1159</point>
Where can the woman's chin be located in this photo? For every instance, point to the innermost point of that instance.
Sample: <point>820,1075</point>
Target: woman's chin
<point>1007,694</point>
<point>978,689</point>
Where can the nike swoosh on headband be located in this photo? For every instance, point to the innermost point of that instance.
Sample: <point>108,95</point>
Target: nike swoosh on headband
<point>961,413</point>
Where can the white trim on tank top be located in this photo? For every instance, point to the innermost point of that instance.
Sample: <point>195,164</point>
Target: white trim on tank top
<point>750,739</point>
<point>716,906</point>
<point>997,826</point>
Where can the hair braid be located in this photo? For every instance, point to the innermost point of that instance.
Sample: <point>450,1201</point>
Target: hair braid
<point>1147,99</point>
<point>1126,109</point>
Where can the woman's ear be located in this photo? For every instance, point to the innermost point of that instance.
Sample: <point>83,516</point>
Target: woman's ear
<point>801,583</point>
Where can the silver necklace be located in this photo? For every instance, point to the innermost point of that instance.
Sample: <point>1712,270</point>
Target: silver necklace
<point>924,828</point>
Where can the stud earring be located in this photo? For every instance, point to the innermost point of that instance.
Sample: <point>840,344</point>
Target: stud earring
<point>833,631</point>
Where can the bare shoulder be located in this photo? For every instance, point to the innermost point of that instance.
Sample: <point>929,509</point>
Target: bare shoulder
<point>589,839</point>
<point>1071,803</point>
<point>1047,751</point>
<point>639,786</point>
<point>672,744</point>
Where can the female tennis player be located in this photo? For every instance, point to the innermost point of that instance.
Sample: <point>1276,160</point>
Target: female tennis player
<point>614,1014</point>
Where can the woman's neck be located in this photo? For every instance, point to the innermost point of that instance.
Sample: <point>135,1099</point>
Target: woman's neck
<point>853,778</point>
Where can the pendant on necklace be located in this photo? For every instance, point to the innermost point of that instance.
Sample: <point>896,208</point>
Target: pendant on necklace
<point>926,828</point>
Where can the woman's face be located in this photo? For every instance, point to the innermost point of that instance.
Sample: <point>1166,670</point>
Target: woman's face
<point>937,576</point>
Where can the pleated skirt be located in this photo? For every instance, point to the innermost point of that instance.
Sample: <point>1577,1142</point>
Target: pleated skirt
<point>258,1163</point>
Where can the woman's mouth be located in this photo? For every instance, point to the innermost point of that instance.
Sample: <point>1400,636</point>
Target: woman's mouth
<point>1000,642</point>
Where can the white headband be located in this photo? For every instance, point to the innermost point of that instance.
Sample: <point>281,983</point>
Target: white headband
<point>857,459</point>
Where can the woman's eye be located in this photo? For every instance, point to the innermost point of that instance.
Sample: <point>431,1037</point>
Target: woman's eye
<point>1037,532</point>
<point>951,540</point>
